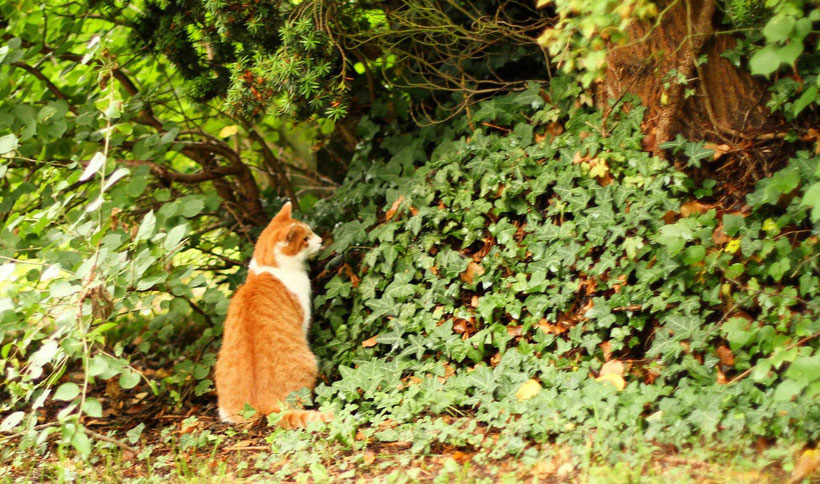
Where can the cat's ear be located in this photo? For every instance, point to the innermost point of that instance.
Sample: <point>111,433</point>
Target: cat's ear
<point>284,214</point>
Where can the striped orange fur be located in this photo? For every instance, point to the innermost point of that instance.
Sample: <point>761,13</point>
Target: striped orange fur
<point>265,353</point>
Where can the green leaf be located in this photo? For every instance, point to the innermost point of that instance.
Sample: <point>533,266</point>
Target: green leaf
<point>129,379</point>
<point>191,206</point>
<point>765,61</point>
<point>805,368</point>
<point>115,177</point>
<point>93,166</point>
<point>778,28</point>
<point>694,254</point>
<point>146,229</point>
<point>11,421</point>
<point>134,434</point>
<point>812,199</point>
<point>789,53</point>
<point>92,407</point>
<point>809,96</point>
<point>82,443</point>
<point>8,143</point>
<point>174,236</point>
<point>788,389</point>
<point>67,391</point>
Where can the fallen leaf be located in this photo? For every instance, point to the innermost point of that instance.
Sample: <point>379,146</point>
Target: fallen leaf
<point>616,380</point>
<point>527,390</point>
<point>348,271</point>
<point>694,207</point>
<point>721,377</point>
<point>555,329</point>
<point>578,158</point>
<point>393,208</point>
<point>719,150</point>
<point>806,466</point>
<point>719,237</point>
<point>606,347</point>
<point>370,342</point>
<point>726,356</point>
<point>461,457</point>
<point>368,457</point>
<point>612,367</point>
<point>473,269</point>
<point>545,468</point>
<point>612,372</point>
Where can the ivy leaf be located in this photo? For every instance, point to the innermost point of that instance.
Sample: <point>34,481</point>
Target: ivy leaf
<point>812,199</point>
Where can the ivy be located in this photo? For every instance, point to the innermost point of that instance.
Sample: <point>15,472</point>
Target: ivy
<point>501,255</point>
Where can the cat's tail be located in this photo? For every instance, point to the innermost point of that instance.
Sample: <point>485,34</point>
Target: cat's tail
<point>299,418</point>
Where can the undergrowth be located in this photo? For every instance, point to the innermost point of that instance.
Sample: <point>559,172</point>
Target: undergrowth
<point>534,269</point>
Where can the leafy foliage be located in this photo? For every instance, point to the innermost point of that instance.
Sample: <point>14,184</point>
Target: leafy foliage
<point>479,263</point>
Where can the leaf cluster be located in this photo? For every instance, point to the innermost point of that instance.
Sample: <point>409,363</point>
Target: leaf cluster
<point>538,247</point>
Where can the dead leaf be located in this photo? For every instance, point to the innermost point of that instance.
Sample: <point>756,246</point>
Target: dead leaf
<point>514,330</point>
<point>528,389</point>
<point>612,367</point>
<point>612,372</point>
<point>461,457</point>
<point>719,237</point>
<point>393,208</point>
<point>473,268</point>
<point>370,342</point>
<point>606,347</point>
<point>721,377</point>
<point>484,250</point>
<point>368,458</point>
<point>670,217</point>
<point>544,468</point>
<point>726,356</point>
<point>348,271</point>
<point>548,328</point>
<point>649,144</point>
<point>694,207</point>
<point>615,380</point>
<point>806,466</point>
<point>719,150</point>
<point>578,158</point>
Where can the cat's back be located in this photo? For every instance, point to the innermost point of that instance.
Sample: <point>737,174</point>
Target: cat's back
<point>264,303</point>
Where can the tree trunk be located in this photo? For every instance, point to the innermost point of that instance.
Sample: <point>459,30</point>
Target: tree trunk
<point>713,101</point>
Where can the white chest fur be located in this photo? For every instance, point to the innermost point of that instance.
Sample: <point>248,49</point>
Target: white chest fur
<point>292,273</point>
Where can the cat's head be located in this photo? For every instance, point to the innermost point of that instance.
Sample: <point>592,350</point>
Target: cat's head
<point>285,240</point>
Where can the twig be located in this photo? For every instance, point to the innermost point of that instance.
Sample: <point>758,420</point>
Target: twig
<point>793,345</point>
<point>112,440</point>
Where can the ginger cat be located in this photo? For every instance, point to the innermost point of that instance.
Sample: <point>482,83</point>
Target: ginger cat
<point>265,353</point>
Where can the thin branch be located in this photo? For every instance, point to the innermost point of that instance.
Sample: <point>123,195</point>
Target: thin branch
<point>49,85</point>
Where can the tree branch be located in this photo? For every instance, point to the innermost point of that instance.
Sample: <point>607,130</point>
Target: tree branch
<point>49,85</point>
